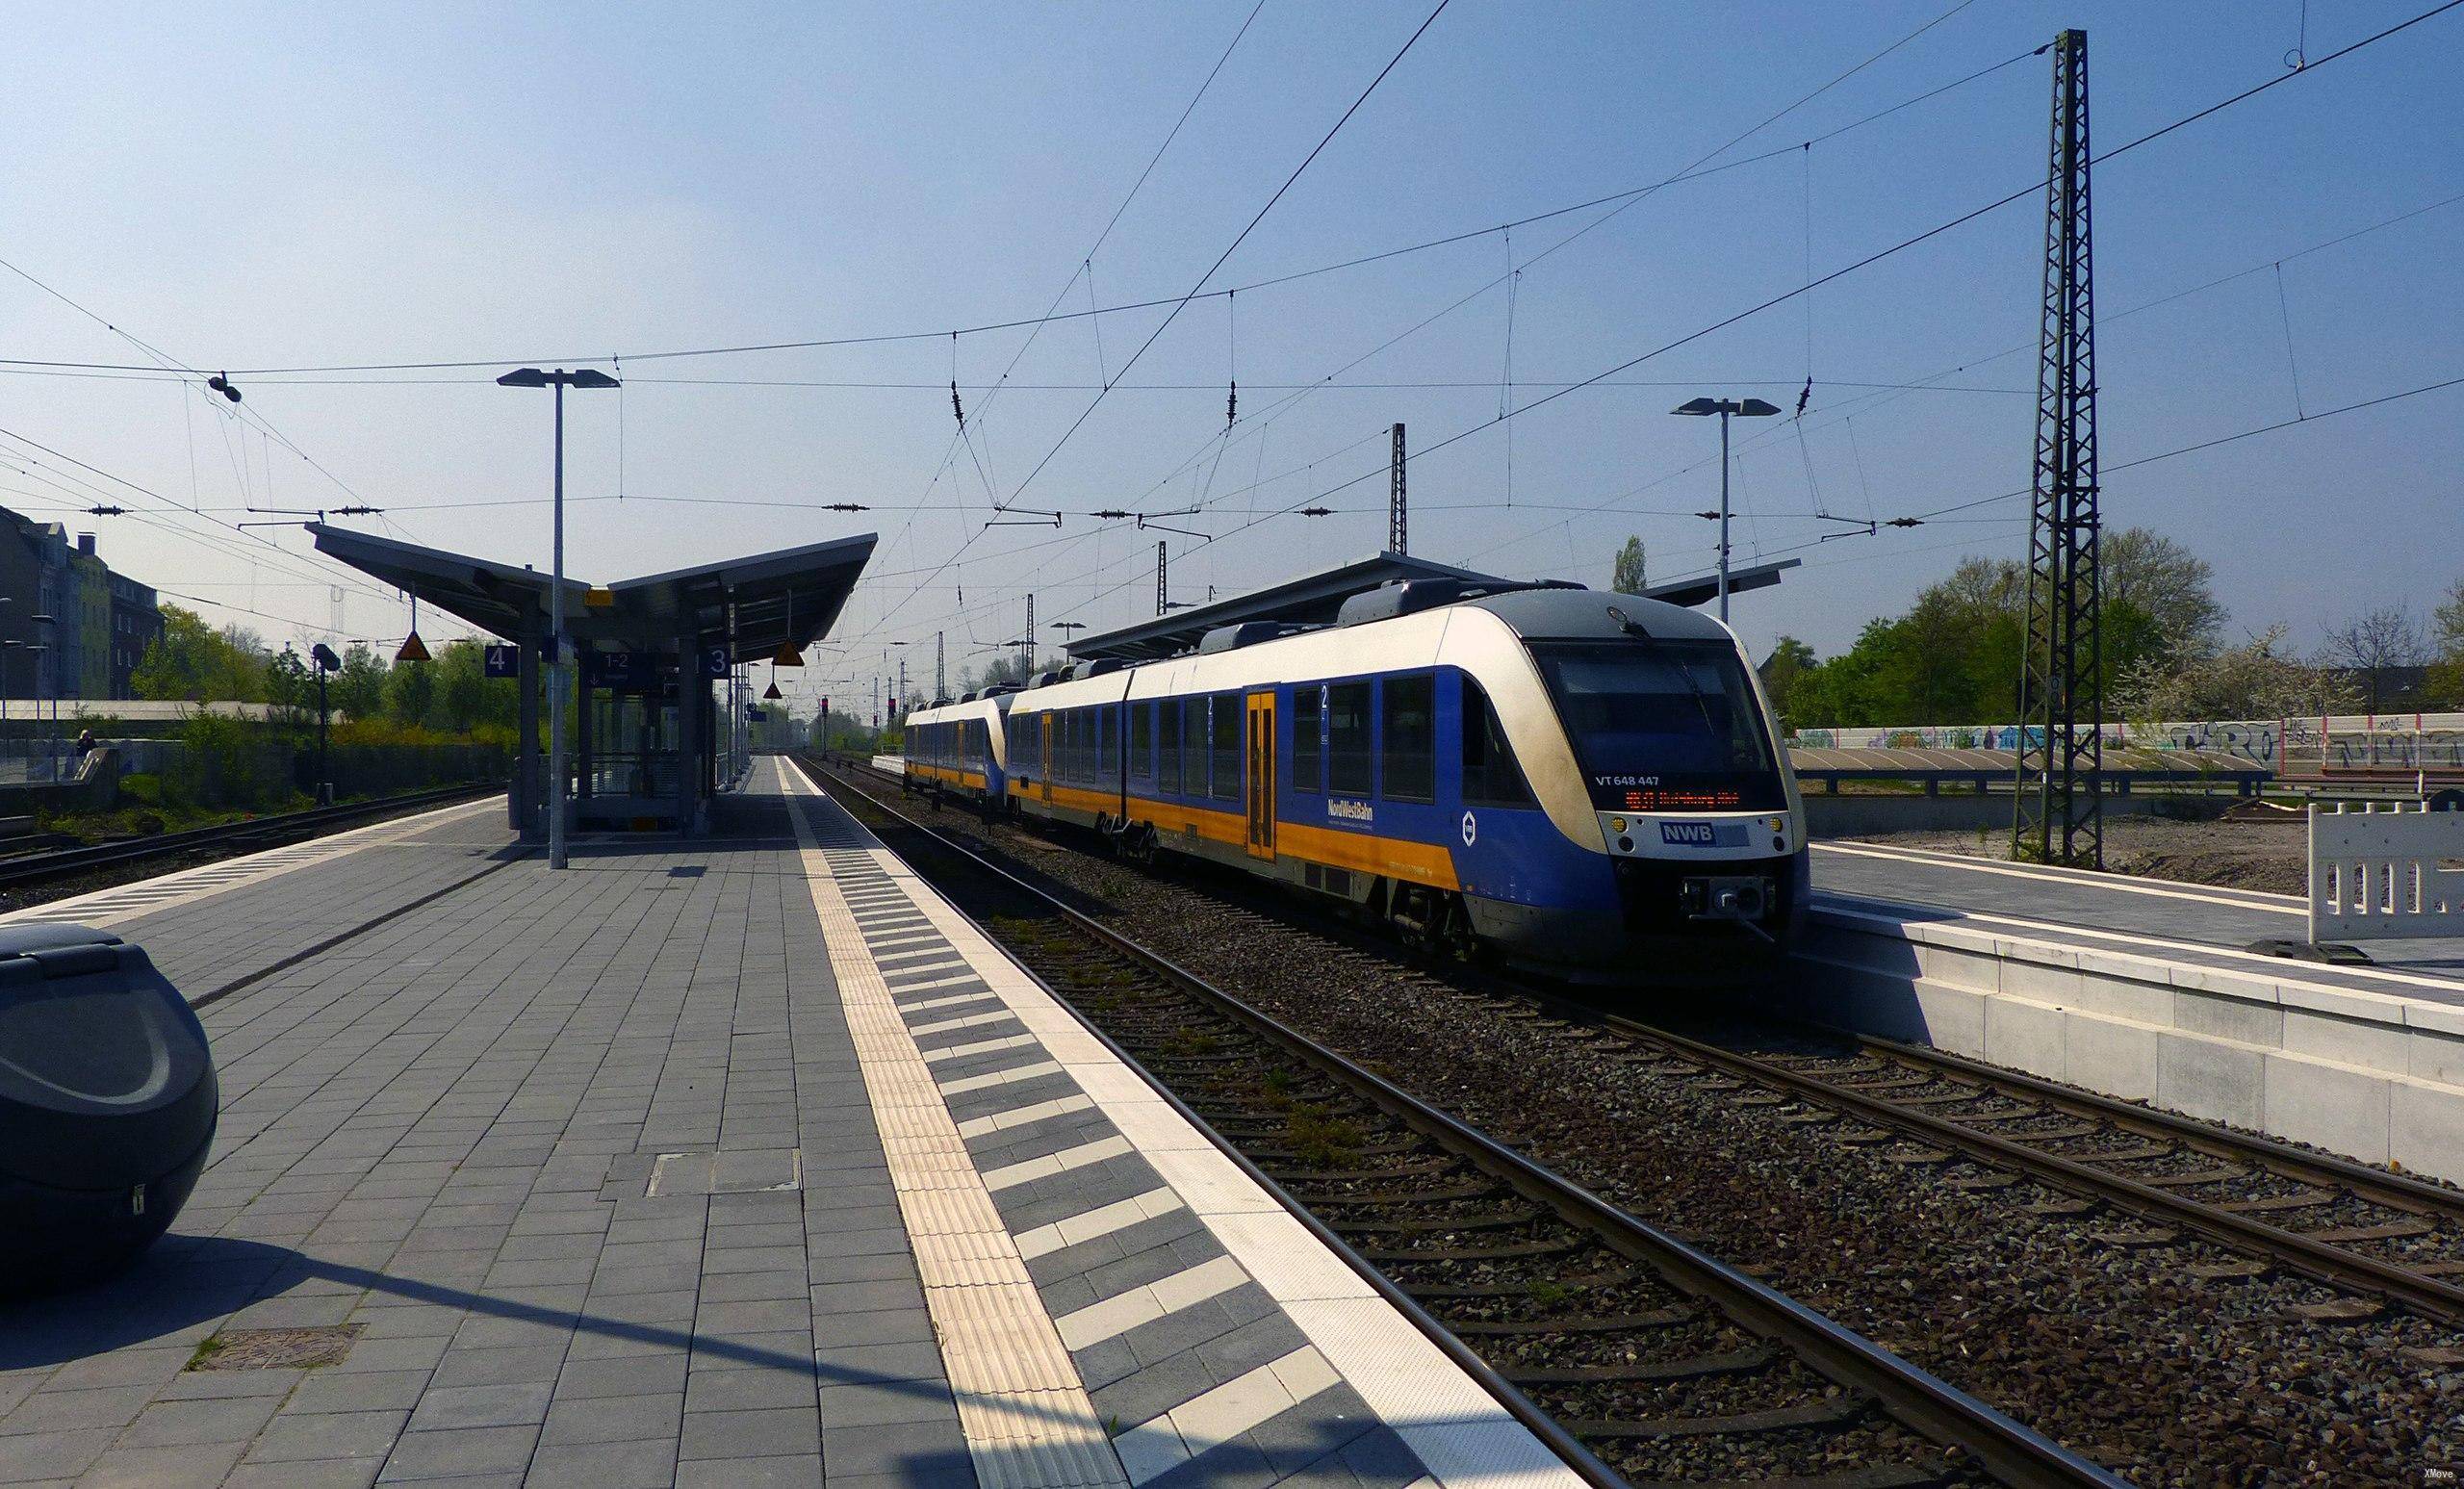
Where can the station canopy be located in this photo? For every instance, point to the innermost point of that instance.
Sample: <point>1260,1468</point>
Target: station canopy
<point>1314,599</point>
<point>785,597</point>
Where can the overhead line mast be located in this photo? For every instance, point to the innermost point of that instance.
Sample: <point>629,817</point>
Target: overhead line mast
<point>2058,814</point>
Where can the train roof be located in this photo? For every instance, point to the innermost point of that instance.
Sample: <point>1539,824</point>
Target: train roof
<point>1591,614</point>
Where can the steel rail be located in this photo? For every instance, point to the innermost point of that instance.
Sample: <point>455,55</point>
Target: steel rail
<point>2379,1185</point>
<point>1933,1407</point>
<point>2317,1259</point>
<point>63,863</point>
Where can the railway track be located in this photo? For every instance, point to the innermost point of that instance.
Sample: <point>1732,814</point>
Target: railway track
<point>64,863</point>
<point>1656,1359</point>
<point>2379,1238</point>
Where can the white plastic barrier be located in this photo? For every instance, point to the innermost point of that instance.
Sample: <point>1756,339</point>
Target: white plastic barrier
<point>2384,874</point>
<point>895,764</point>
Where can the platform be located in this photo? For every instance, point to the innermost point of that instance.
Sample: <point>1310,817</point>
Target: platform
<point>2145,990</point>
<point>735,1160</point>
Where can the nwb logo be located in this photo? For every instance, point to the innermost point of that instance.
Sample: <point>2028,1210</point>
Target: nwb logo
<point>1686,834</point>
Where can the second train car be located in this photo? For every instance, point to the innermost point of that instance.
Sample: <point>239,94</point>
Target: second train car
<point>1585,782</point>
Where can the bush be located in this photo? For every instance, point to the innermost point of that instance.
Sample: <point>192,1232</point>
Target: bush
<point>142,787</point>
<point>224,763</point>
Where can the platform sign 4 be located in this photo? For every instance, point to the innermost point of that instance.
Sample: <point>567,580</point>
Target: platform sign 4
<point>502,660</point>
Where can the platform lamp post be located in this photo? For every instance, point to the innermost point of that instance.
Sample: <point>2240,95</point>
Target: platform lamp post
<point>327,663</point>
<point>557,682</point>
<point>1742,408</point>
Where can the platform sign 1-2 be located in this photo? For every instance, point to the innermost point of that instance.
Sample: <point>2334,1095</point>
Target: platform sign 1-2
<point>633,671</point>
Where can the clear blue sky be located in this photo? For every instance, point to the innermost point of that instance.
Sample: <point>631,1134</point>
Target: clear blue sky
<point>287,184</point>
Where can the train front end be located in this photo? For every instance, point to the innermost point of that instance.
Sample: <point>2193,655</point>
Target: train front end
<point>1687,860</point>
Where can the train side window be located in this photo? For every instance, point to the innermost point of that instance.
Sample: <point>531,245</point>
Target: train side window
<point>1169,747</point>
<point>1107,744</point>
<point>1350,771</point>
<point>1141,741</point>
<point>1308,749</point>
<point>1194,746</point>
<point>1227,747</point>
<point>1491,777</point>
<point>1410,738</point>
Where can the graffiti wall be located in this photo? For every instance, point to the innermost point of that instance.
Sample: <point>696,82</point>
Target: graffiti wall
<point>2346,742</point>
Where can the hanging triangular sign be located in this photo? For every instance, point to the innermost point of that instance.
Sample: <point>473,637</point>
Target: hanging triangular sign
<point>788,656</point>
<point>414,649</point>
<point>772,691</point>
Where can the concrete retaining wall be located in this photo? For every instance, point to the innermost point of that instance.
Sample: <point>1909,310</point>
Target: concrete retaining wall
<point>1959,810</point>
<point>2377,1078</point>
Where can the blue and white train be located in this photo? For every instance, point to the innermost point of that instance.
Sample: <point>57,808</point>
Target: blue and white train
<point>1587,783</point>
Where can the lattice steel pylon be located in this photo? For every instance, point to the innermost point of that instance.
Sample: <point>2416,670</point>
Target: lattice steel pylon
<point>2059,812</point>
<point>1398,526</point>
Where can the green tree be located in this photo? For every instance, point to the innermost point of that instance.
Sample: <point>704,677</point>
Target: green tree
<point>193,662</point>
<point>410,691</point>
<point>289,685</point>
<point>466,697</point>
<point>1787,666</point>
<point>358,689</point>
<point>1631,571</point>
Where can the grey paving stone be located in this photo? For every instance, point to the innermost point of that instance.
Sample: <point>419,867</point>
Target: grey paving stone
<point>902,1449</point>
<point>1380,1459</point>
<point>1232,1464</point>
<point>772,1432</point>
<point>324,1473</point>
<point>876,1268</point>
<point>374,1390</point>
<point>855,1364</point>
<point>937,1474</point>
<point>349,1434</point>
<point>1250,1346</point>
<point>749,1389</point>
<point>831,1298</point>
<point>889,1402</point>
<point>614,1418</point>
<point>455,1408</point>
<point>625,1376</point>
<point>188,1466</point>
<point>1310,1430</point>
<point>521,1364</point>
<point>60,1455</point>
<point>460,1451</point>
<point>889,1327</point>
<point>640,1465</point>
<point>796,1471</point>
<point>1154,1391</point>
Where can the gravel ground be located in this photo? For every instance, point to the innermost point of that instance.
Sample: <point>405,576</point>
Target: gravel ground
<point>2106,1344</point>
<point>2256,851</point>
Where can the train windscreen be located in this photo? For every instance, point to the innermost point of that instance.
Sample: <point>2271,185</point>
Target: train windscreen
<point>1663,726</point>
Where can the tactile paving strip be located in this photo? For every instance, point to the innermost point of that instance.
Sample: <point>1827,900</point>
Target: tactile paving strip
<point>1026,1416</point>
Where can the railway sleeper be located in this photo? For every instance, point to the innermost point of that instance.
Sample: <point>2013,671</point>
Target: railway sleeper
<point>2393,1231</point>
<point>1515,1250</point>
<point>1399,1196</point>
<point>1610,1324</point>
<point>1436,1291</point>
<point>1837,1411</point>
<point>1736,1362</point>
<point>1500,1219</point>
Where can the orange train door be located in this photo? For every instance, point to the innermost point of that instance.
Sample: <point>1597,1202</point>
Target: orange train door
<point>1044,782</point>
<point>1260,782</point>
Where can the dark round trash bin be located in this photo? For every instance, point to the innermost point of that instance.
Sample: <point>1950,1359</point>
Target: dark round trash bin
<point>107,1104</point>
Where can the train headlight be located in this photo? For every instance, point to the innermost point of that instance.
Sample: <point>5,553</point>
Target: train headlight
<point>1616,824</point>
